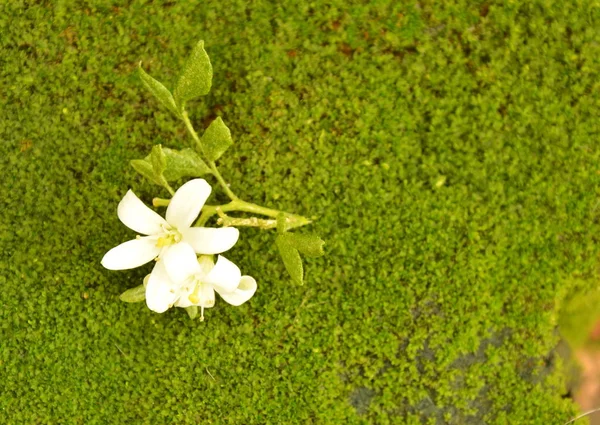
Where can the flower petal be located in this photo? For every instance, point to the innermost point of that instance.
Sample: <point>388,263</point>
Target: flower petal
<point>225,276</point>
<point>180,262</point>
<point>209,240</point>
<point>159,290</point>
<point>187,203</point>
<point>243,293</point>
<point>207,296</point>
<point>131,254</point>
<point>134,214</point>
<point>184,300</point>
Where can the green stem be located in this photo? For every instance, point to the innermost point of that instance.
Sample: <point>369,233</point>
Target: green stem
<point>222,181</point>
<point>188,124</point>
<point>291,220</point>
<point>211,164</point>
<point>204,217</point>
<point>160,202</point>
<point>239,205</point>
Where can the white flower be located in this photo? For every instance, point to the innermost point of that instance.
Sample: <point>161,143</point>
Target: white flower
<point>162,235</point>
<point>181,279</point>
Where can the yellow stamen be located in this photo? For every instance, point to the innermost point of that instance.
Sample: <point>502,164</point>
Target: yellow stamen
<point>171,237</point>
<point>194,297</point>
<point>163,241</point>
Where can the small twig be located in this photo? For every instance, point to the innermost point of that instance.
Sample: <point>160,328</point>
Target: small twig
<point>210,374</point>
<point>226,221</point>
<point>583,415</point>
<point>119,348</point>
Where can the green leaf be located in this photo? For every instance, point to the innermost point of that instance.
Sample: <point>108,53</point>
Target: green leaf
<point>153,166</point>
<point>195,78</point>
<point>183,163</point>
<point>159,91</point>
<point>308,244</point>
<point>291,260</point>
<point>216,139</point>
<point>192,311</point>
<point>134,295</point>
<point>158,159</point>
<point>145,169</point>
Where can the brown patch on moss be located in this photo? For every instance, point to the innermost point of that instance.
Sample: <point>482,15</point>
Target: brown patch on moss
<point>25,145</point>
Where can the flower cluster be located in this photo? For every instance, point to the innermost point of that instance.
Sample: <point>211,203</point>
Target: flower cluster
<point>185,273</point>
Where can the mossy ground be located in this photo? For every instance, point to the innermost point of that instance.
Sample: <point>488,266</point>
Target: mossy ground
<point>450,151</point>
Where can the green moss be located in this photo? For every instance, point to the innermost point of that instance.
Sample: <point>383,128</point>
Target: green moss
<point>448,149</point>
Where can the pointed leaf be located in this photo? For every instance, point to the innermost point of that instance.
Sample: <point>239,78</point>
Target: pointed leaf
<point>216,139</point>
<point>134,295</point>
<point>192,311</point>
<point>145,169</point>
<point>159,91</point>
<point>183,163</point>
<point>153,166</point>
<point>158,159</point>
<point>291,260</point>
<point>195,78</point>
<point>308,244</point>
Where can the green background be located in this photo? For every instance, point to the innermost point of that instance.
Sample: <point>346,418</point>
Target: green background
<point>447,150</point>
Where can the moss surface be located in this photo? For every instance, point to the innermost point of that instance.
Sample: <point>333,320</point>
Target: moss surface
<point>449,150</point>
